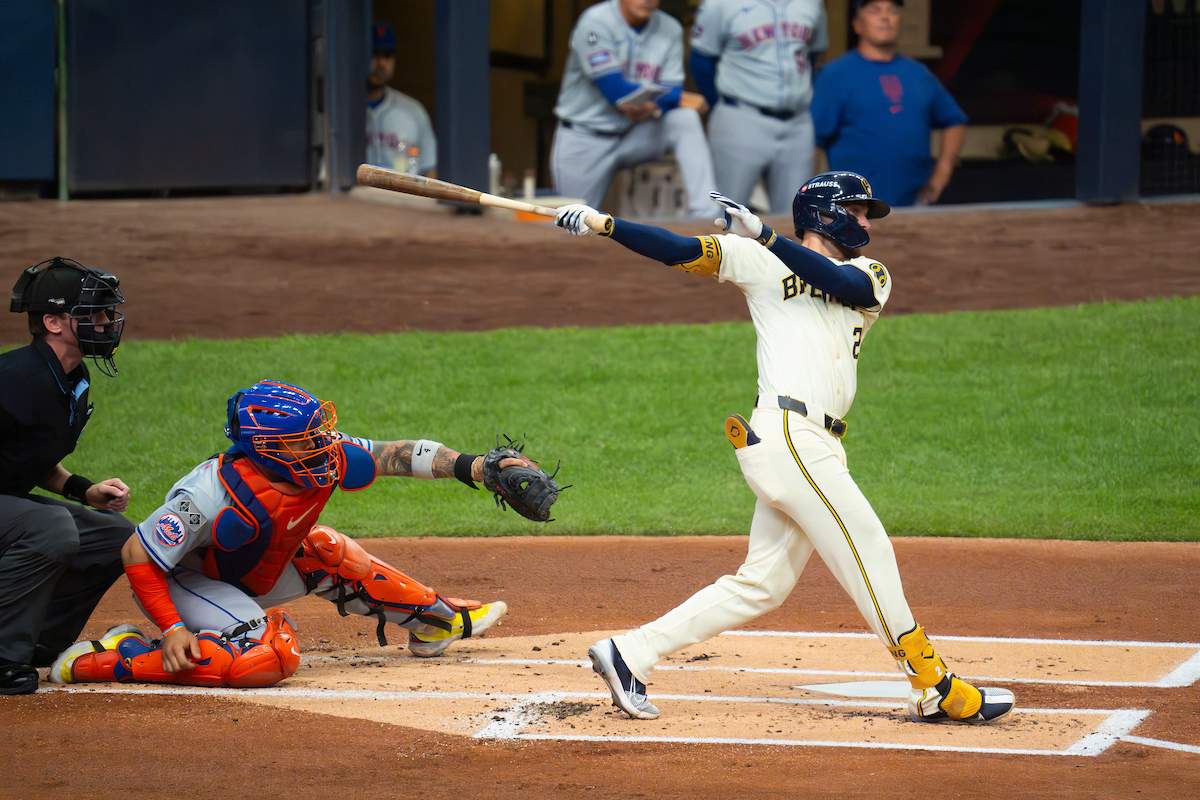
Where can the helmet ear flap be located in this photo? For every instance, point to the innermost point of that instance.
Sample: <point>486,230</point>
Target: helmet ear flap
<point>234,424</point>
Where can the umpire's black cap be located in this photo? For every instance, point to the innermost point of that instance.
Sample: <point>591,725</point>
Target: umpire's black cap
<point>860,3</point>
<point>62,286</point>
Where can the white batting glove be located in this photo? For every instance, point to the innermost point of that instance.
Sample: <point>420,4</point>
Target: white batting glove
<point>574,218</point>
<point>738,219</point>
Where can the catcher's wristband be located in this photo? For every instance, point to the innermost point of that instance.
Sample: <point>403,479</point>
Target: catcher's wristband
<point>462,469</point>
<point>767,238</point>
<point>75,489</point>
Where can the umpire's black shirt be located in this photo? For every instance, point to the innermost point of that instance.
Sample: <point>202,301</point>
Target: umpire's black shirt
<point>43,410</point>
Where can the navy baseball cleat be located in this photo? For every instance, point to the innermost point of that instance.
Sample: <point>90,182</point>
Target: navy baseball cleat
<point>955,700</point>
<point>628,693</point>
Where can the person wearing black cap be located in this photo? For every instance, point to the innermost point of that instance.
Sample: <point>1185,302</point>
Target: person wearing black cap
<point>57,558</point>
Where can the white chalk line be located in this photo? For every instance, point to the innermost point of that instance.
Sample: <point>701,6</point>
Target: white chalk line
<point>1185,674</point>
<point>854,673</point>
<point>1187,748</point>
<point>508,724</point>
<point>1116,726</point>
<point>992,639</point>
<point>1108,733</point>
<point>787,743</point>
<point>387,694</point>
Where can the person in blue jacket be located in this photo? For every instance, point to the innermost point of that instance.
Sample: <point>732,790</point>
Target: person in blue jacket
<point>873,110</point>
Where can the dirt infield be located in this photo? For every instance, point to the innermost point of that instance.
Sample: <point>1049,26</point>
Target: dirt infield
<point>401,727</point>
<point>237,267</point>
<point>1098,641</point>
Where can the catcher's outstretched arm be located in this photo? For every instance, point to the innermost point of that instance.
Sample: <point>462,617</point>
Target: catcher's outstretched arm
<point>421,458</point>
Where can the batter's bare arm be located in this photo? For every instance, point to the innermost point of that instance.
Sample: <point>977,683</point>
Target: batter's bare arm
<point>396,458</point>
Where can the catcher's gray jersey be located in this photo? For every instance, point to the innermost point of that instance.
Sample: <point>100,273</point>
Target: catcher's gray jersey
<point>184,521</point>
<point>764,48</point>
<point>602,44</point>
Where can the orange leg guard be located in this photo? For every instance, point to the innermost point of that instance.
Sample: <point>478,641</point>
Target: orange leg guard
<point>241,663</point>
<point>364,585</point>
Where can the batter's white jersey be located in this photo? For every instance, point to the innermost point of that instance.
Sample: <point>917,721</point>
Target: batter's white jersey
<point>808,341</point>
<point>602,43</point>
<point>764,48</point>
<point>398,119</point>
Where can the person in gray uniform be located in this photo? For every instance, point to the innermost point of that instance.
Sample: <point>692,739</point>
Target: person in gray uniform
<point>752,60</point>
<point>622,103</point>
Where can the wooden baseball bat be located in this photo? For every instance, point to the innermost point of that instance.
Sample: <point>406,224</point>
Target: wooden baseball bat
<point>402,182</point>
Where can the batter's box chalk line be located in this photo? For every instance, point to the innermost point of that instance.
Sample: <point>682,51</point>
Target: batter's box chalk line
<point>508,724</point>
<point>1185,674</point>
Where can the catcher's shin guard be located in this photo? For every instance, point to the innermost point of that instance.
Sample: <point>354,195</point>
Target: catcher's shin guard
<point>242,663</point>
<point>101,659</point>
<point>938,695</point>
<point>338,569</point>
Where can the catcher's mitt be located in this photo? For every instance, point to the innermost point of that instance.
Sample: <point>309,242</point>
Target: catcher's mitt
<point>525,488</point>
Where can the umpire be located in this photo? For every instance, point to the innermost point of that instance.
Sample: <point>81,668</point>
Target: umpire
<point>57,558</point>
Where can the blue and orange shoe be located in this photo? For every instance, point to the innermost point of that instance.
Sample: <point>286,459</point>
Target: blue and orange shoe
<point>104,659</point>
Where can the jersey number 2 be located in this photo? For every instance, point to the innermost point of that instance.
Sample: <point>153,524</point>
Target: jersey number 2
<point>858,334</point>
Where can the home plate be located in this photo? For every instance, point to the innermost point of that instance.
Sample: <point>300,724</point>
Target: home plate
<point>891,690</point>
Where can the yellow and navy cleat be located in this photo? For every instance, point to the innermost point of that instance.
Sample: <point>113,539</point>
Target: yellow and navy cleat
<point>63,668</point>
<point>955,700</point>
<point>435,642</point>
<point>739,432</point>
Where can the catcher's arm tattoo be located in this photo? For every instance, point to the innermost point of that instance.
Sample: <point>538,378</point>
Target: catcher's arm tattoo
<point>396,458</point>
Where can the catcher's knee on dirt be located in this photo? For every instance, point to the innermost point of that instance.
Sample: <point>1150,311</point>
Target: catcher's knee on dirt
<point>338,569</point>
<point>262,661</point>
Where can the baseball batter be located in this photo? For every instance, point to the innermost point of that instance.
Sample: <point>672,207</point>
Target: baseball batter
<point>622,103</point>
<point>812,304</point>
<point>752,60</point>
<point>237,537</point>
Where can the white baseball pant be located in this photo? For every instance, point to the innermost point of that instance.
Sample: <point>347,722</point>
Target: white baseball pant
<point>806,500</point>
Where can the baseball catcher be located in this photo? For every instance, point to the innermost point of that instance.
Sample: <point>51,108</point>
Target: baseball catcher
<point>237,537</point>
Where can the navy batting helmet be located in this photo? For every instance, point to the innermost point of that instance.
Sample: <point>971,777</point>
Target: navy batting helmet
<point>822,197</point>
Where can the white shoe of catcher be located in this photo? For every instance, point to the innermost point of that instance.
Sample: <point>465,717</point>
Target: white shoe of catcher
<point>434,644</point>
<point>628,693</point>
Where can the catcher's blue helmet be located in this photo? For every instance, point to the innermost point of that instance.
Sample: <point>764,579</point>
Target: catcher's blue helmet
<point>286,430</point>
<point>823,195</point>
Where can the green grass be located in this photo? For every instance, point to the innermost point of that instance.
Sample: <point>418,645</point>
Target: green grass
<point>1076,422</point>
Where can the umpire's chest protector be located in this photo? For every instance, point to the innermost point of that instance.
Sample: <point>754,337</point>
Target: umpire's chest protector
<point>256,537</point>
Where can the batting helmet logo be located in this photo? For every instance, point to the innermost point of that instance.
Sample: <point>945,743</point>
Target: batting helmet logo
<point>169,530</point>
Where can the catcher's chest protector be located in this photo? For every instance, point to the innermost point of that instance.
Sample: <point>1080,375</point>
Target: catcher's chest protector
<point>258,535</point>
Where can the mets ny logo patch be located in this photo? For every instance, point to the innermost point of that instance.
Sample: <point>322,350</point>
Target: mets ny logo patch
<point>169,530</point>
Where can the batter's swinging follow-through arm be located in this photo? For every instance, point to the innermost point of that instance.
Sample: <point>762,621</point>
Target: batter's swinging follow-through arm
<point>702,255</point>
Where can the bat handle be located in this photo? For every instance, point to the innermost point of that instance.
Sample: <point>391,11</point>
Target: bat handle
<point>597,222</point>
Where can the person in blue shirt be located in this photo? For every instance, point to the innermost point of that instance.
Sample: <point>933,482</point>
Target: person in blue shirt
<point>873,110</point>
